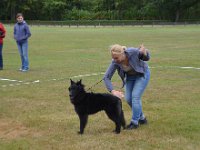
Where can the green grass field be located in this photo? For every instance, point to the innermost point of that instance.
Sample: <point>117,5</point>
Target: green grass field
<point>39,116</point>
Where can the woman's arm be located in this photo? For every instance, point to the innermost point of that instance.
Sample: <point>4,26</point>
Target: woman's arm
<point>108,75</point>
<point>144,53</point>
<point>107,80</point>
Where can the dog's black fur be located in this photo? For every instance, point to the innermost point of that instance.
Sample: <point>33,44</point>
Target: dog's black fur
<point>90,103</point>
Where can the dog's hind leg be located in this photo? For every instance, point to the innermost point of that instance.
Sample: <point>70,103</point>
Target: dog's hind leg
<point>115,117</point>
<point>83,122</point>
<point>118,126</point>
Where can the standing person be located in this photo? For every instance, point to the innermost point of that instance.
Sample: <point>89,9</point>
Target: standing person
<point>135,74</point>
<point>21,35</point>
<point>2,35</point>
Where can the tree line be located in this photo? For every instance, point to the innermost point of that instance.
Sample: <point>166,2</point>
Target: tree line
<point>172,10</point>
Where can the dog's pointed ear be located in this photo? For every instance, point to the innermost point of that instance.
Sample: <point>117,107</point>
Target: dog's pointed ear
<point>71,81</point>
<point>79,82</point>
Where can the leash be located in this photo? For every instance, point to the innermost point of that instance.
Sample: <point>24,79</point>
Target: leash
<point>94,85</point>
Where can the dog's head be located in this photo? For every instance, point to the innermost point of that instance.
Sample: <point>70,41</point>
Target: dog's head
<point>75,90</point>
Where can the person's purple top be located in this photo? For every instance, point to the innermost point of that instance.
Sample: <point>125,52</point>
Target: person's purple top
<point>21,32</point>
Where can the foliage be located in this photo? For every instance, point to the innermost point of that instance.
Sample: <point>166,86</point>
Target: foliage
<point>173,10</point>
<point>54,9</point>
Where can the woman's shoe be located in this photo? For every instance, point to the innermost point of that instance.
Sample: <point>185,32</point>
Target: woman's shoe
<point>132,126</point>
<point>144,121</point>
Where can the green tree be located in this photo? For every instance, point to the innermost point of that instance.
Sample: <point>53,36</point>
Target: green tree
<point>175,9</point>
<point>54,9</point>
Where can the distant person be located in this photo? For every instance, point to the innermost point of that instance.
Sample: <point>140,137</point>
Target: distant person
<point>21,35</point>
<point>134,72</point>
<point>2,35</point>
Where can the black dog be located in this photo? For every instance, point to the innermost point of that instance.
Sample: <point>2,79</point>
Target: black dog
<point>91,103</point>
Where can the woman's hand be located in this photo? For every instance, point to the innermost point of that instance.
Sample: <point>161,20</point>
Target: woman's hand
<point>117,93</point>
<point>143,50</point>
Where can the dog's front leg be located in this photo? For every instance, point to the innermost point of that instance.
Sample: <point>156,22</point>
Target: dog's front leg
<point>83,122</point>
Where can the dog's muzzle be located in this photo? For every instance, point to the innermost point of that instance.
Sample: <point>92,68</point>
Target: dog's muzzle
<point>71,97</point>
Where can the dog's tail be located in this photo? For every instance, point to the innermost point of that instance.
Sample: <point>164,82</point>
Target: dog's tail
<point>122,119</point>
<point>123,122</point>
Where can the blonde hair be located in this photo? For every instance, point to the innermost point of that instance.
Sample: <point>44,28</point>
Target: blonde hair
<point>117,49</point>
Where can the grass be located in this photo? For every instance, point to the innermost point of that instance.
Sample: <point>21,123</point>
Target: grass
<point>39,116</point>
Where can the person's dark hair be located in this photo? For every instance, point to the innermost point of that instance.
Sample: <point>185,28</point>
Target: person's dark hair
<point>19,14</point>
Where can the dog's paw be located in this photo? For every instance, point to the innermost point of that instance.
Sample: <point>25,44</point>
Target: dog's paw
<point>116,132</point>
<point>80,132</point>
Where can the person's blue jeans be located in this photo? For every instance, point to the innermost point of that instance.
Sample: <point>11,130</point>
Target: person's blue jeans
<point>134,88</point>
<point>23,51</point>
<point>1,56</point>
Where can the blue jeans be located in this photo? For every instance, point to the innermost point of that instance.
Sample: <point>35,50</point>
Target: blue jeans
<point>134,88</point>
<point>1,56</point>
<point>23,51</point>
